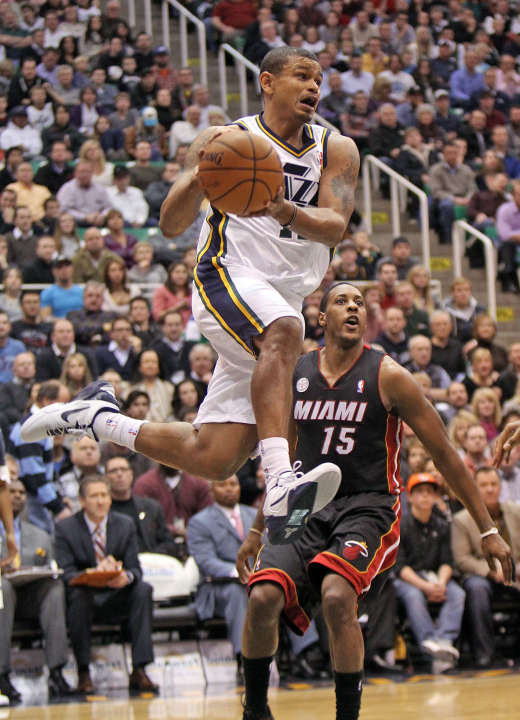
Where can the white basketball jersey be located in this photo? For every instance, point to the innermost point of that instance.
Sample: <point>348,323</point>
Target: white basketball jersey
<point>292,264</point>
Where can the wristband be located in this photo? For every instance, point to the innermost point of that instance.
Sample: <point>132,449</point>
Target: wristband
<point>256,531</point>
<point>293,217</point>
<point>491,531</point>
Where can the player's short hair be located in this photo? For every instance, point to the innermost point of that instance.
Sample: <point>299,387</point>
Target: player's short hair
<point>325,299</point>
<point>277,58</point>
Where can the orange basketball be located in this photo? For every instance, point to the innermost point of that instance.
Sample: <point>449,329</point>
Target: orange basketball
<point>239,172</point>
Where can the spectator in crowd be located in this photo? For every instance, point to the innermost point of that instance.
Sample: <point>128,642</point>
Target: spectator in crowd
<point>393,339</point>
<point>335,103</point>
<point>385,140</point>
<point>143,173</point>
<point>175,294</point>
<point>63,296</point>
<point>230,18</point>
<point>420,348</point>
<point>424,297</point>
<point>456,400</point>
<point>374,59</point>
<point>36,464</point>
<point>14,395</point>
<point>358,121</point>
<point>400,81</point>
<point>482,210</point>
<point>425,569</point>
<point>12,159</point>
<point>84,199</point>
<point>85,458</point>
<point>124,116</point>
<point>75,373</point>
<point>66,235</point>
<point>29,193</point>
<point>356,78</point>
<point>466,81</point>
<point>128,200</point>
<point>152,532</point>
<point>484,334</point>
<point>481,584</point>
<point>57,172</point>
<point>117,293</point>
<point>9,349</point>
<point>141,319</point>
<point>267,40</point>
<point>481,372</point>
<point>82,542</point>
<point>64,92</point>
<point>45,601</point>
<point>49,361</point>
<point>159,391</point>
<point>21,84</point>
<point>31,329</point>
<point>90,261</point>
<point>20,134</point>
<point>445,118</point>
<point>144,272</point>
<point>387,277</point>
<point>41,270</point>
<point>156,192</point>
<point>102,171</point>
<point>508,229</point>
<point>475,445</point>
<point>21,241</point>
<point>119,354</point>
<point>348,267</point>
<point>91,323</point>
<point>513,130</point>
<point>401,257</point>
<point>414,160</point>
<point>463,308</point>
<point>10,298</point>
<point>185,131</point>
<point>476,135</point>
<point>485,405</point>
<point>446,349</point>
<point>202,362</point>
<point>510,377</point>
<point>62,130</point>
<point>417,321</point>
<point>179,494</point>
<point>149,129</point>
<point>452,185</point>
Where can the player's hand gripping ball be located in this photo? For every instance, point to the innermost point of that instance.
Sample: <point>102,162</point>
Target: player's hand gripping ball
<point>240,172</point>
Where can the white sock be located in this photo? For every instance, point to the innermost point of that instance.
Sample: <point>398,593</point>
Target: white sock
<point>117,428</point>
<point>274,452</point>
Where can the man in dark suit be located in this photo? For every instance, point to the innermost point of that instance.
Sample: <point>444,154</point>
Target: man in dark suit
<point>14,395</point>
<point>107,541</point>
<point>43,599</point>
<point>57,172</point>
<point>49,361</point>
<point>152,533</point>
<point>118,355</point>
<point>172,349</point>
<point>214,537</point>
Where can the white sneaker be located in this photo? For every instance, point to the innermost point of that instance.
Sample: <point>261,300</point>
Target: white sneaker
<point>440,649</point>
<point>76,418</point>
<point>448,648</point>
<point>293,497</point>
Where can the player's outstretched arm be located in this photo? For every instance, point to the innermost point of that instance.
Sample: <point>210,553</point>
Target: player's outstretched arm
<point>400,392</point>
<point>328,222</point>
<point>182,204</point>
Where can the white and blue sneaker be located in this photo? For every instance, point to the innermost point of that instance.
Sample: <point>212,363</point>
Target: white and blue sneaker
<point>294,496</point>
<point>72,418</point>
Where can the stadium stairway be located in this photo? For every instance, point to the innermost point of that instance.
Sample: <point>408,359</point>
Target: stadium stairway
<point>508,305</point>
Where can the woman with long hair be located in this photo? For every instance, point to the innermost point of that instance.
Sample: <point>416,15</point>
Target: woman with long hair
<point>112,141</point>
<point>66,235</point>
<point>118,241</point>
<point>136,405</point>
<point>92,152</point>
<point>175,294</point>
<point>93,41</point>
<point>10,298</point>
<point>69,50</point>
<point>419,278</point>
<point>484,333</point>
<point>75,373</point>
<point>159,391</point>
<point>486,406</point>
<point>117,293</point>
<point>186,396</point>
<point>458,428</point>
<point>84,115</point>
<point>481,373</point>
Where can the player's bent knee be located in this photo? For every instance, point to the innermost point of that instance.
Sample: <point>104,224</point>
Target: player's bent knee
<point>339,602</point>
<point>266,601</point>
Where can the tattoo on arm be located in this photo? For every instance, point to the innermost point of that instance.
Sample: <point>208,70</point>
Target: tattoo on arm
<point>192,156</point>
<point>344,184</point>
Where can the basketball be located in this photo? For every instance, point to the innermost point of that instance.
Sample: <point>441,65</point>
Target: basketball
<point>239,172</point>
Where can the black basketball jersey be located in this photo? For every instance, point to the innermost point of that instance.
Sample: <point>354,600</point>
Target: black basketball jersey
<point>347,424</point>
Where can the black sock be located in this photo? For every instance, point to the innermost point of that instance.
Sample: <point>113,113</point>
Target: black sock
<point>256,677</point>
<point>348,695</point>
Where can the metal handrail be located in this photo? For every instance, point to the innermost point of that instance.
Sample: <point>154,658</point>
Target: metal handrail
<point>396,180</point>
<point>131,12</point>
<point>243,65</point>
<point>184,17</point>
<point>459,230</point>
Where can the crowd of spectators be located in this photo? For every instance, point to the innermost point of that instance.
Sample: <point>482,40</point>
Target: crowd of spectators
<point>94,129</point>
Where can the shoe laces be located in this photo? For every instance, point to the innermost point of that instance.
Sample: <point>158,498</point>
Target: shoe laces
<point>287,475</point>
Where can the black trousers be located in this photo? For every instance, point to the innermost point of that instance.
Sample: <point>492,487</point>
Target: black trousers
<point>131,604</point>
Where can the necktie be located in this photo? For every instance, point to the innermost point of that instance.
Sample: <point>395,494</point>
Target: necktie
<point>99,543</point>
<point>237,523</point>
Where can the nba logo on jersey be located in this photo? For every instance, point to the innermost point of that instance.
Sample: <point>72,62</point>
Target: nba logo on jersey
<point>361,386</point>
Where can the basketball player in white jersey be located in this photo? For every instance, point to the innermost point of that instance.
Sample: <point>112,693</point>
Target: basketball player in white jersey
<point>251,278</point>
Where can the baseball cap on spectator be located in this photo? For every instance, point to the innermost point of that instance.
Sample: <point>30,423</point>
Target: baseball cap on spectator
<point>415,90</point>
<point>420,479</point>
<point>161,50</point>
<point>441,93</point>
<point>149,116</point>
<point>18,111</point>
<point>61,260</point>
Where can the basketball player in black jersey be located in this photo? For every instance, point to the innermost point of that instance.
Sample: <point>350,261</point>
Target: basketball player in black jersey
<point>349,403</point>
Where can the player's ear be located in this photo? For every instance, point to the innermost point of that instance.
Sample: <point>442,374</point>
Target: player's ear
<point>266,80</point>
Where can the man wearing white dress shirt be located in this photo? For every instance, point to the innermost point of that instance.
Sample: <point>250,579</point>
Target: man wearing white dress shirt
<point>129,200</point>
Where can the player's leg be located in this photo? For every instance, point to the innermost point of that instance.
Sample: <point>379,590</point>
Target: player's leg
<point>259,645</point>
<point>339,603</point>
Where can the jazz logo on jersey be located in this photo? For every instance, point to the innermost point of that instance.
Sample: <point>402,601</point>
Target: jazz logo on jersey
<point>302,384</point>
<point>353,548</point>
<point>361,386</point>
